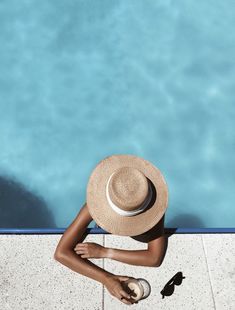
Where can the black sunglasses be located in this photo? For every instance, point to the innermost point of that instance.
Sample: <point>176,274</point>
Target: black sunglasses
<point>170,286</point>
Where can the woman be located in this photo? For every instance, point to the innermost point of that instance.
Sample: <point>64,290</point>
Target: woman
<point>127,196</point>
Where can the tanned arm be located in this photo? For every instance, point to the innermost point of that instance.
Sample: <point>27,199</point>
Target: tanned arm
<point>151,257</point>
<point>131,257</point>
<point>65,249</point>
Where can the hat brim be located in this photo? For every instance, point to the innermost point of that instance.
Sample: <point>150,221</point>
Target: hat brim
<point>105,216</point>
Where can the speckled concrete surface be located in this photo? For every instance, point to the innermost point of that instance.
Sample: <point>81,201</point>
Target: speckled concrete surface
<point>31,279</point>
<point>185,253</point>
<point>220,255</point>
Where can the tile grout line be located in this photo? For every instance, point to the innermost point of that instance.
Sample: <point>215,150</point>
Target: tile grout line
<point>208,269</point>
<point>103,268</point>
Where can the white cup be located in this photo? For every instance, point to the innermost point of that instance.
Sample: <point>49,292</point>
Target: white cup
<point>137,288</point>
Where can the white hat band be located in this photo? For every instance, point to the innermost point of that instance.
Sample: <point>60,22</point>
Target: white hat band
<point>132,212</point>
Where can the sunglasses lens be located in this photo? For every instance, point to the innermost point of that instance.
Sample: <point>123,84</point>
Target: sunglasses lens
<point>179,278</point>
<point>163,293</point>
<point>169,287</point>
<point>178,281</point>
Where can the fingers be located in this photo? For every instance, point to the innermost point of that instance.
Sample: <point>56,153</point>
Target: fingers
<point>83,253</point>
<point>125,294</point>
<point>122,294</point>
<point>80,246</point>
<point>84,249</point>
<point>125,297</point>
<point>85,256</point>
<point>122,297</point>
<point>126,301</point>
<point>80,251</point>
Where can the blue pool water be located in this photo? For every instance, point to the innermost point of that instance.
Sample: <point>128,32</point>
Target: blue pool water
<point>82,80</point>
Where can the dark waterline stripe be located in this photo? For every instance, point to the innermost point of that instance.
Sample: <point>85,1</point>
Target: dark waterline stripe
<point>96,230</point>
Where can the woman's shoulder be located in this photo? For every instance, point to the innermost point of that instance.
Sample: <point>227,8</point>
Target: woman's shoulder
<point>84,214</point>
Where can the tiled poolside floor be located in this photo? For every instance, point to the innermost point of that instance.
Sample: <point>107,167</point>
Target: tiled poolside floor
<point>31,279</point>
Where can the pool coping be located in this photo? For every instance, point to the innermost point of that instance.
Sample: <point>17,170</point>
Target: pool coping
<point>97,230</point>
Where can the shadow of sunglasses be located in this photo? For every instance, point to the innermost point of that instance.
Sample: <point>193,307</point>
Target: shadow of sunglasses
<point>170,286</point>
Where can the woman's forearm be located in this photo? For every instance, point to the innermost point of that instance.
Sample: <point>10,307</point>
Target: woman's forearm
<point>83,266</point>
<point>133,257</point>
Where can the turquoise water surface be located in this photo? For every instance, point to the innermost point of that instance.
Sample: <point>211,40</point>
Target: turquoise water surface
<point>82,80</point>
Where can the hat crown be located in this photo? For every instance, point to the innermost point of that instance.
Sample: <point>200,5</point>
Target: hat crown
<point>128,188</point>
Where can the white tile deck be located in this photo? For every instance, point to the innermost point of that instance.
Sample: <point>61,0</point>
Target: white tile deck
<point>185,253</point>
<point>220,255</point>
<point>31,279</point>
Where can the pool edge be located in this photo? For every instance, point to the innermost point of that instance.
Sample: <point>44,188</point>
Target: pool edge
<point>96,230</point>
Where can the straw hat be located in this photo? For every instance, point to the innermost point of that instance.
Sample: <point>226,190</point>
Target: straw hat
<point>126,195</point>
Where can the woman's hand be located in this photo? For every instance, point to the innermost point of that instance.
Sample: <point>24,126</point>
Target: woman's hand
<point>90,250</point>
<point>114,285</point>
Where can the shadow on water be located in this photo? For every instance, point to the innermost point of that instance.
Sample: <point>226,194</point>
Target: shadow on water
<point>20,208</point>
<point>186,220</point>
